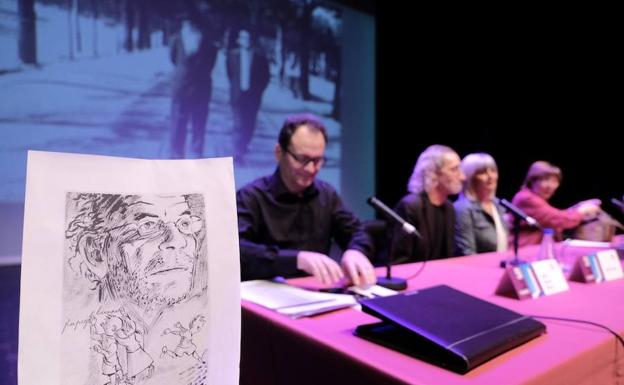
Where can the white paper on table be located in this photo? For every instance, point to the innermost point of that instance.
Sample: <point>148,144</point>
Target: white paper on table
<point>293,301</point>
<point>585,243</point>
<point>130,271</point>
<point>372,291</point>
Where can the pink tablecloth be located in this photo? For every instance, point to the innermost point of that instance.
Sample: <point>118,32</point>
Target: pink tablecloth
<point>323,349</point>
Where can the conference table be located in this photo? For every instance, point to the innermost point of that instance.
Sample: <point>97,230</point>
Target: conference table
<point>323,349</point>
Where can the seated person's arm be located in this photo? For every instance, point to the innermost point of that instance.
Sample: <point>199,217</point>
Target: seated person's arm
<point>320,266</point>
<point>588,208</point>
<point>263,261</point>
<point>259,260</point>
<point>358,268</point>
<point>351,237</point>
<point>549,216</point>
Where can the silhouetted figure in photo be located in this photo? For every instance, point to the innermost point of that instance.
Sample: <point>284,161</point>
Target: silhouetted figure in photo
<point>293,73</point>
<point>249,75</point>
<point>193,52</point>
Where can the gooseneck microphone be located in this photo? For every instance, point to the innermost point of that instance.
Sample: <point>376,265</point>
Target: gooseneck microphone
<point>517,216</point>
<point>388,281</point>
<point>517,212</point>
<point>618,203</point>
<point>390,214</point>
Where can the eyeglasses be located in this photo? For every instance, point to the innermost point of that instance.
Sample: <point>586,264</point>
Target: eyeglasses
<point>304,160</point>
<point>187,224</point>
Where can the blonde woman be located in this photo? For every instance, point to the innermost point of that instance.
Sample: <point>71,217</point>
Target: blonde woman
<point>480,226</point>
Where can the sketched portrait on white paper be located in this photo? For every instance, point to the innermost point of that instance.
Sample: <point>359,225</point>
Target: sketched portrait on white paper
<point>135,288</point>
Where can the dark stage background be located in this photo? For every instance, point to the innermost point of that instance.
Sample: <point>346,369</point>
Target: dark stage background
<point>522,84</point>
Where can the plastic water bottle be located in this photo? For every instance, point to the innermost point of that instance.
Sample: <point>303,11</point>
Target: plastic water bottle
<point>547,247</point>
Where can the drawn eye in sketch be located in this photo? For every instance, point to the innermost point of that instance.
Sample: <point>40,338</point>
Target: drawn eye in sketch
<point>189,224</point>
<point>149,226</point>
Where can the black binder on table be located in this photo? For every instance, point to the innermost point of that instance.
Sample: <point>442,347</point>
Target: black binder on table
<point>446,327</point>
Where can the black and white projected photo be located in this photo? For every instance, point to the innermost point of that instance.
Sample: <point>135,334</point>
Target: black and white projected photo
<point>160,79</point>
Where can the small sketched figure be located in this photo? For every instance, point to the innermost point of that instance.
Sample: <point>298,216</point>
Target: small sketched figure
<point>185,346</point>
<point>106,345</point>
<point>119,342</point>
<point>139,364</point>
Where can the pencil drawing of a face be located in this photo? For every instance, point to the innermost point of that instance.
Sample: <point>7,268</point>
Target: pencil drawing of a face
<point>143,248</point>
<point>157,250</point>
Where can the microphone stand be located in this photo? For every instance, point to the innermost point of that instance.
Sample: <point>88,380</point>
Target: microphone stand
<point>517,216</point>
<point>388,281</point>
<point>516,230</point>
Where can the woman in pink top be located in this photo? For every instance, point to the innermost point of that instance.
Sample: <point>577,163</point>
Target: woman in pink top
<point>539,186</point>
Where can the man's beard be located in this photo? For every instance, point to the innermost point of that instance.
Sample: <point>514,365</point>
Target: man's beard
<point>149,296</point>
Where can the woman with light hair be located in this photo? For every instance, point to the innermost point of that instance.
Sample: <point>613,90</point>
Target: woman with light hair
<point>480,226</point>
<point>437,174</point>
<point>540,184</point>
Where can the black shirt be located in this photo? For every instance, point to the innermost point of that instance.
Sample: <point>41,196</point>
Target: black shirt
<point>436,225</point>
<point>438,233</point>
<point>274,225</point>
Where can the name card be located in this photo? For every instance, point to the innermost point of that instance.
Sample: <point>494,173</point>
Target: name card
<point>586,270</point>
<point>531,280</point>
<point>610,265</point>
<point>550,276</point>
<point>603,266</point>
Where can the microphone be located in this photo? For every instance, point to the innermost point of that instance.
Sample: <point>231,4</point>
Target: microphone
<point>517,212</point>
<point>388,281</point>
<point>390,214</point>
<point>618,203</point>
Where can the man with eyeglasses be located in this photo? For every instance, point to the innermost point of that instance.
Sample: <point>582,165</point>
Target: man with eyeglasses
<point>142,252</point>
<point>286,221</point>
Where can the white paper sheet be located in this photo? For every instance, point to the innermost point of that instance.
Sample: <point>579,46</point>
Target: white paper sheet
<point>130,272</point>
<point>293,301</point>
